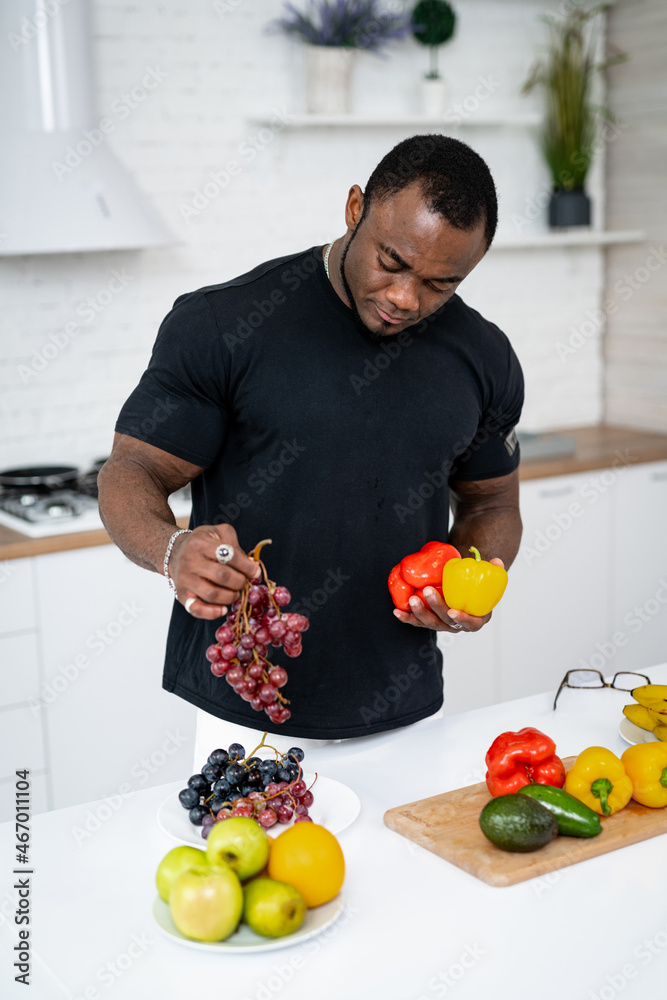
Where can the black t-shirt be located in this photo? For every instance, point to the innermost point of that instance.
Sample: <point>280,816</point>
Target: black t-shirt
<point>340,449</point>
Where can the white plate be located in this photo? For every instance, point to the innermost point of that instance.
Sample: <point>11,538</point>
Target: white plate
<point>244,939</point>
<point>634,734</point>
<point>335,806</point>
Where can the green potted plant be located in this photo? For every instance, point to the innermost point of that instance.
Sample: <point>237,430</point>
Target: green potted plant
<point>433,24</point>
<point>567,77</point>
<point>332,31</point>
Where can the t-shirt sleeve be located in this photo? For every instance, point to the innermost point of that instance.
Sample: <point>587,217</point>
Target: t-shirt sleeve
<point>494,450</point>
<point>180,403</point>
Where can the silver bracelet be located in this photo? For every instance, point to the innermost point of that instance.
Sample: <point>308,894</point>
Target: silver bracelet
<point>165,565</point>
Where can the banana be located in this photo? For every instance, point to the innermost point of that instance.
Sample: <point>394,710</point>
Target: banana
<point>648,694</point>
<point>640,716</point>
<point>661,733</point>
<point>659,718</point>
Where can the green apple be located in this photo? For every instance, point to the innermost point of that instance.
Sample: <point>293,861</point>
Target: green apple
<point>271,908</point>
<point>206,902</point>
<point>173,864</point>
<point>241,843</point>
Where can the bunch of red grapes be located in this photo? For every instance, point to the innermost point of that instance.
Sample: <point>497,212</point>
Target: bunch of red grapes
<point>254,623</point>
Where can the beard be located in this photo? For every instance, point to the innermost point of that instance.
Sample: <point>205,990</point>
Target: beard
<point>348,291</point>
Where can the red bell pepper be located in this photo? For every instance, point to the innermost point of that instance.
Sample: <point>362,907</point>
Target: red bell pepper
<point>419,570</point>
<point>522,758</point>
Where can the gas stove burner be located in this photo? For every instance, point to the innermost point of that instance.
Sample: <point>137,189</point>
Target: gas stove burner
<point>39,507</point>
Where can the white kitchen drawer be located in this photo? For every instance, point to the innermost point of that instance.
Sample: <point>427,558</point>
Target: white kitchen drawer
<point>21,745</point>
<point>103,632</point>
<point>557,602</point>
<point>38,796</point>
<point>468,668</point>
<point>17,601</point>
<point>19,677</point>
<point>639,603</point>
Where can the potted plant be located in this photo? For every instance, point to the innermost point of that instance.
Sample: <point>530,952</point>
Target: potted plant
<point>567,76</point>
<point>433,24</point>
<point>332,31</point>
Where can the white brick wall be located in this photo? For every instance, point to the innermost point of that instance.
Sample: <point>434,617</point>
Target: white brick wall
<point>636,343</point>
<point>220,69</point>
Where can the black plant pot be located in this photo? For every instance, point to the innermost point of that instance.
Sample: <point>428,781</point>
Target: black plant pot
<point>569,208</point>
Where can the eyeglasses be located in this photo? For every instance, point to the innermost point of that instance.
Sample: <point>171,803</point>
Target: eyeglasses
<point>625,680</point>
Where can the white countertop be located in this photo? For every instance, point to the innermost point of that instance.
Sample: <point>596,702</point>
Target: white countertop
<point>416,927</point>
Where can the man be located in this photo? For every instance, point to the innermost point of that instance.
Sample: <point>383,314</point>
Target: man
<point>337,401</point>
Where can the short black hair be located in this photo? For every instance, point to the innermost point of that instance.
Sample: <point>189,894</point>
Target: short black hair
<point>455,180</point>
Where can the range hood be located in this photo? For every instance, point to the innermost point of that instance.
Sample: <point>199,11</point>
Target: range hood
<point>61,188</point>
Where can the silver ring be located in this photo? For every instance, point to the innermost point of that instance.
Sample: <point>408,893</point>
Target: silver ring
<point>188,604</point>
<point>224,553</point>
<point>454,625</point>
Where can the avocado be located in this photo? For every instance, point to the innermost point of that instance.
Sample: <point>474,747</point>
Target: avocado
<point>517,823</point>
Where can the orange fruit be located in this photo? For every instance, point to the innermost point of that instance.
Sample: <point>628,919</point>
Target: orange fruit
<point>308,857</point>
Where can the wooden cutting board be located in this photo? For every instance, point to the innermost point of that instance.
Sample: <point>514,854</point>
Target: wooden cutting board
<point>448,825</point>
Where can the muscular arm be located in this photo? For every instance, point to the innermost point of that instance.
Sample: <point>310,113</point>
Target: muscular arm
<point>133,488</point>
<point>486,515</point>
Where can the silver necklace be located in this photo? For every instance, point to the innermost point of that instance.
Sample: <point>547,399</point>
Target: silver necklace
<point>326,258</point>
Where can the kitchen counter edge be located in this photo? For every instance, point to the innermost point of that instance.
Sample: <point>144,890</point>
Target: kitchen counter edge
<point>600,446</point>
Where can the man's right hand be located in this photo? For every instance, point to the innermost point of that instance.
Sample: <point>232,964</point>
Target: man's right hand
<point>196,572</point>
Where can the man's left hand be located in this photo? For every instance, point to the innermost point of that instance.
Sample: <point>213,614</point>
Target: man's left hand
<point>438,617</point>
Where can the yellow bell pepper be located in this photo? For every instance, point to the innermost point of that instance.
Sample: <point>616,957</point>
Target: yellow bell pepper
<point>473,585</point>
<point>598,779</point>
<point>646,764</point>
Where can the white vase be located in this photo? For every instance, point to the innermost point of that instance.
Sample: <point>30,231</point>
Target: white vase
<point>435,94</point>
<point>328,79</point>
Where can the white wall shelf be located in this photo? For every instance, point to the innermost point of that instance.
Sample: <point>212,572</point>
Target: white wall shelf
<point>304,121</point>
<point>570,238</point>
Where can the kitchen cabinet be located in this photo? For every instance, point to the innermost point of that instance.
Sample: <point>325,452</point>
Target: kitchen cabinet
<point>17,597</point>
<point>588,588</point>
<point>638,634</point>
<point>102,632</point>
<point>556,602</point>
<point>558,597</point>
